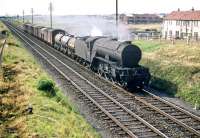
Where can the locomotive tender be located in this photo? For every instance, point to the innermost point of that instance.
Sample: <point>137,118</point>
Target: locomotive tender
<point>114,60</point>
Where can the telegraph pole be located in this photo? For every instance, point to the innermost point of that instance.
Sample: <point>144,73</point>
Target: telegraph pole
<point>23,15</point>
<point>117,18</point>
<point>32,14</point>
<point>50,9</point>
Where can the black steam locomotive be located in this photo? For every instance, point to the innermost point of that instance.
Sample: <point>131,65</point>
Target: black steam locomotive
<point>114,60</point>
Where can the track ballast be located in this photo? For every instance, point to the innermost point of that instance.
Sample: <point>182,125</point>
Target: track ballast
<point>124,120</point>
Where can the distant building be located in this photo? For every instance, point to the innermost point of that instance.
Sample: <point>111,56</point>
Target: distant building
<point>140,18</point>
<point>182,24</point>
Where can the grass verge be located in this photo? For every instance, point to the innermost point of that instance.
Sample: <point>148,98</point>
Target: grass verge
<point>175,68</point>
<point>27,111</point>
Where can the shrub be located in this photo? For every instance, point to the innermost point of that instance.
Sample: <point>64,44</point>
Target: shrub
<point>47,86</point>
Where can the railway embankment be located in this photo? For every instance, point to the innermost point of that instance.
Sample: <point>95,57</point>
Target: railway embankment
<point>175,68</point>
<point>31,103</point>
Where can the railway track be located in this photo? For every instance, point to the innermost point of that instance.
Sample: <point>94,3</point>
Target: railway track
<point>131,101</point>
<point>125,121</point>
<point>174,112</point>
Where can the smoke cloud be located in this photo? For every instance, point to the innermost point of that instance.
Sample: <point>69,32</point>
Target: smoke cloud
<point>87,25</point>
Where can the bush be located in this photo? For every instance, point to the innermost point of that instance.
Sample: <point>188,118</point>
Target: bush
<point>47,86</point>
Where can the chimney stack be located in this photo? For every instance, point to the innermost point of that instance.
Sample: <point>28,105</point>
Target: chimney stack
<point>192,8</point>
<point>178,9</point>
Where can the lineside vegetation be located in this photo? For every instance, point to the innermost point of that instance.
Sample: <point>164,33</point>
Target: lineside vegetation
<point>175,68</point>
<point>31,103</point>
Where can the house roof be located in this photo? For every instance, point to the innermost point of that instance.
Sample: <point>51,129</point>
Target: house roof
<point>183,15</point>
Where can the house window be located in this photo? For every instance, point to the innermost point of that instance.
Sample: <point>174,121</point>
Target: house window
<point>165,34</point>
<point>170,33</point>
<point>196,35</point>
<point>196,23</point>
<point>170,22</point>
<point>186,23</point>
<point>177,34</point>
<point>178,23</point>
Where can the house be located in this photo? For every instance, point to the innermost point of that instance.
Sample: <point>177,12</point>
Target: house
<point>140,18</point>
<point>181,25</point>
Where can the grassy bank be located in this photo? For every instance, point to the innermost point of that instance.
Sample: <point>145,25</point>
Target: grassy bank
<point>142,27</point>
<point>29,110</point>
<point>175,68</point>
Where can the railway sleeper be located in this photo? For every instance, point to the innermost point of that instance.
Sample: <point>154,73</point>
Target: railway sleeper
<point>181,117</point>
<point>106,118</point>
<point>91,104</point>
<point>91,91</point>
<point>136,126</point>
<point>139,130</point>
<point>143,133</point>
<point>123,134</point>
<point>127,120</point>
<point>120,114</point>
<point>83,87</point>
<point>158,103</point>
<point>115,129</point>
<point>150,99</point>
<point>87,100</point>
<point>113,106</point>
<point>114,111</point>
<point>102,99</point>
<point>168,111</point>
<point>80,96</point>
<point>106,103</point>
<point>161,105</point>
<point>177,114</point>
<point>154,135</point>
<point>112,125</point>
<point>143,106</point>
<point>186,120</point>
<point>122,118</point>
<point>133,123</point>
<point>164,108</point>
<point>108,122</point>
<point>97,96</point>
<point>97,110</point>
<point>103,115</point>
<point>197,127</point>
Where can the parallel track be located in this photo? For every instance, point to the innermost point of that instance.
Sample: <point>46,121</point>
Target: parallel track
<point>127,122</point>
<point>157,105</point>
<point>174,112</point>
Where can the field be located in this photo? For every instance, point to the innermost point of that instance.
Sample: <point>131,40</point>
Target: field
<point>175,68</point>
<point>28,107</point>
<point>142,27</point>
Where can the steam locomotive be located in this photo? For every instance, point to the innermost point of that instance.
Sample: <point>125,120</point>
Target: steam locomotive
<point>114,60</point>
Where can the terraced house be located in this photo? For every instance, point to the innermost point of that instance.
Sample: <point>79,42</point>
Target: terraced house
<point>182,25</point>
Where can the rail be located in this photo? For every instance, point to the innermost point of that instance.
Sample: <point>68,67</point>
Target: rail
<point>93,93</point>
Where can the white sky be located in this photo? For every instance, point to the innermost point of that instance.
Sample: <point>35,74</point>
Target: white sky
<point>81,7</point>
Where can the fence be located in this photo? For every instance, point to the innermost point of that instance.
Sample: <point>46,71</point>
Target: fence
<point>1,53</point>
<point>146,35</point>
